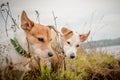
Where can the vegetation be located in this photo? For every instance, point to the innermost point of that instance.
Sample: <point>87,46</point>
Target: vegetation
<point>90,65</point>
<point>87,66</point>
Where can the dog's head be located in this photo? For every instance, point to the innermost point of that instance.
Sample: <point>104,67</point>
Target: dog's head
<point>38,36</point>
<point>71,41</point>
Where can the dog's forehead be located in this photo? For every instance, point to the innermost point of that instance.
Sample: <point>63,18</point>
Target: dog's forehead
<point>41,31</point>
<point>75,38</point>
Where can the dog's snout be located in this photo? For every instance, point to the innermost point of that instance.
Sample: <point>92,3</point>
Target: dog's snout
<point>50,54</point>
<point>72,56</point>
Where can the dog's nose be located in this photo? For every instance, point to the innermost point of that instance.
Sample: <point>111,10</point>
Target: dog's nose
<point>72,56</point>
<point>50,54</point>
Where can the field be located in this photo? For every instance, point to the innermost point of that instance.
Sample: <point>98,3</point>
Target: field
<point>87,66</point>
<point>90,65</point>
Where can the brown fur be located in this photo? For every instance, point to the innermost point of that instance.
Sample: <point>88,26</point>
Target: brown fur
<point>58,59</point>
<point>35,31</point>
<point>66,34</point>
<point>35,35</point>
<point>83,37</point>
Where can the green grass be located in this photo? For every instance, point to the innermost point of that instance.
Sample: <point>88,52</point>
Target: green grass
<point>92,66</point>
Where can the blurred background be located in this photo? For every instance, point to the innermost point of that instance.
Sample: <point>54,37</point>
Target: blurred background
<point>101,17</point>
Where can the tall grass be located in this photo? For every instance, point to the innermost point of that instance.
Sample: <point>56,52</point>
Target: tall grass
<point>87,66</point>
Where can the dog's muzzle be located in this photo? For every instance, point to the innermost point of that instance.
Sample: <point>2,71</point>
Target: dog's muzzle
<point>50,54</point>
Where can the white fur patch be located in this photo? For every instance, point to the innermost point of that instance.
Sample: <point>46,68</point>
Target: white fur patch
<point>9,55</point>
<point>71,49</point>
<point>20,35</point>
<point>41,53</point>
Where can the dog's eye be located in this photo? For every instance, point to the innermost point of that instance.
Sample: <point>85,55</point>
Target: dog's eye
<point>77,45</point>
<point>50,39</point>
<point>68,42</point>
<point>41,39</point>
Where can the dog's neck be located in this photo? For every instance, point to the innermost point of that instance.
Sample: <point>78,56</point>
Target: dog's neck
<point>20,35</point>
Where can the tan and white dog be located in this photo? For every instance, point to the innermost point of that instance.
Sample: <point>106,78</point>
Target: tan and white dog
<point>70,42</point>
<point>37,36</point>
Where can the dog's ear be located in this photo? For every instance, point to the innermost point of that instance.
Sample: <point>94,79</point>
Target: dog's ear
<point>66,32</point>
<point>26,23</point>
<point>84,37</point>
<point>53,27</point>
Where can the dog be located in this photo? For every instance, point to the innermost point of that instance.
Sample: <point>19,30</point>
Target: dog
<point>34,39</point>
<point>70,42</point>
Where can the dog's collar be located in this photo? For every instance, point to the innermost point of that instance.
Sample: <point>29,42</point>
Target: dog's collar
<point>19,49</point>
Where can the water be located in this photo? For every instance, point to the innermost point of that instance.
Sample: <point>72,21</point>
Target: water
<point>112,50</point>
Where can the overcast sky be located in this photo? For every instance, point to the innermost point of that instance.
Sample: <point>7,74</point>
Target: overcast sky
<point>102,17</point>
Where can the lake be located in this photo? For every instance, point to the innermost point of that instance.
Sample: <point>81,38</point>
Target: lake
<point>112,50</point>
